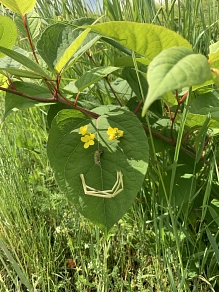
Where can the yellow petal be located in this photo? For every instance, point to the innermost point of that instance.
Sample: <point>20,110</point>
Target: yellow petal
<point>92,136</point>
<point>110,131</point>
<point>83,130</point>
<point>86,138</point>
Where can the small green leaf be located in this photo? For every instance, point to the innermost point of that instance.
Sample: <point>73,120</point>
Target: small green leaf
<point>143,38</point>
<point>19,6</point>
<point>26,62</point>
<point>92,76</point>
<point>15,102</point>
<point>173,69</point>
<point>8,33</point>
<point>69,159</point>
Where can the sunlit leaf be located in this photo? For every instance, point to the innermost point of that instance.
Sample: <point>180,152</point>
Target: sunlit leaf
<point>19,6</point>
<point>69,159</point>
<point>173,69</point>
<point>8,33</point>
<point>146,39</point>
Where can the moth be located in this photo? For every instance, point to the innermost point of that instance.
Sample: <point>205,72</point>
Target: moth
<point>97,155</point>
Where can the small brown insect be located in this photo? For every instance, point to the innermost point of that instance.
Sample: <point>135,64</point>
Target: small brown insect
<point>97,155</point>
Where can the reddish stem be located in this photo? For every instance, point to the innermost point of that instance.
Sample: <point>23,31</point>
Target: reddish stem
<point>24,19</point>
<point>51,100</point>
<point>137,108</point>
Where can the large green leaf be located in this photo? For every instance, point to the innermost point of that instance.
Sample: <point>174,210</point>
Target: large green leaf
<point>58,43</point>
<point>69,159</point>
<point>173,69</point>
<point>8,33</point>
<point>19,6</point>
<point>15,102</point>
<point>146,39</point>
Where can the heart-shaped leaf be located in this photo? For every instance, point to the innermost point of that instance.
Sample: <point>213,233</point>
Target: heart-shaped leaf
<point>19,6</point>
<point>8,33</point>
<point>175,68</point>
<point>122,162</point>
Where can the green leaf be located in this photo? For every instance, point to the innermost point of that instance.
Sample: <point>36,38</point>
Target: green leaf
<point>130,75</point>
<point>92,76</point>
<point>58,43</point>
<point>206,103</point>
<point>8,62</point>
<point>173,69</point>
<point>69,159</point>
<point>214,48</point>
<point>8,33</point>
<point>128,62</point>
<point>69,52</point>
<point>23,278</point>
<point>15,102</point>
<point>19,6</point>
<point>143,38</point>
<point>26,62</point>
<point>21,73</point>
<point>214,244</point>
<point>183,189</point>
<point>195,121</point>
<point>34,23</point>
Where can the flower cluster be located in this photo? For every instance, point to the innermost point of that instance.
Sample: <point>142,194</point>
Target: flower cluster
<point>87,138</point>
<point>114,133</point>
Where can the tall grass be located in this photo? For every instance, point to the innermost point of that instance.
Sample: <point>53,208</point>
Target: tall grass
<point>45,245</point>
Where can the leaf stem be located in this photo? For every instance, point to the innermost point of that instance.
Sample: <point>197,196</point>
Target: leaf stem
<point>24,19</point>
<point>173,143</point>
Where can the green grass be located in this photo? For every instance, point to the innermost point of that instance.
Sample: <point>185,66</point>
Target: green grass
<point>46,245</point>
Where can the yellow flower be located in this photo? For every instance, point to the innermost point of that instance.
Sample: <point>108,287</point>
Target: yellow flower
<point>83,130</point>
<point>114,133</point>
<point>88,140</point>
